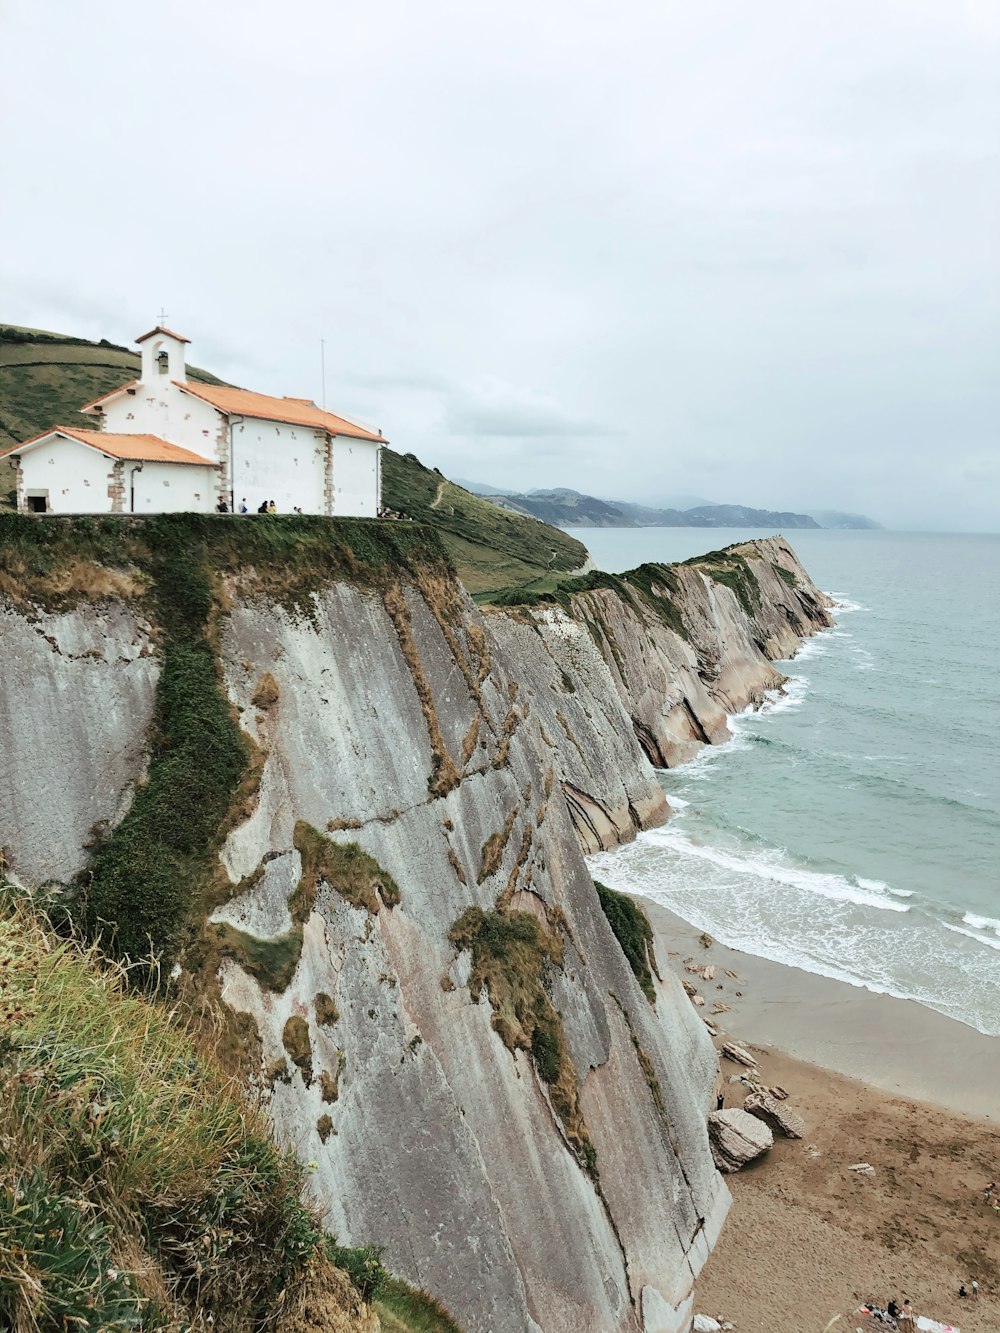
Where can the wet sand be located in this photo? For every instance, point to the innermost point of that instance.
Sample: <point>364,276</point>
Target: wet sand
<point>877,1080</point>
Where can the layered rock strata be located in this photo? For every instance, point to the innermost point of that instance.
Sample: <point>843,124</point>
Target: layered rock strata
<point>737,1137</point>
<point>442,1021</point>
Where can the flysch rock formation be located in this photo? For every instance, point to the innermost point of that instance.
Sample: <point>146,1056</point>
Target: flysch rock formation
<point>776,1114</point>
<point>737,1138</point>
<point>473,758</point>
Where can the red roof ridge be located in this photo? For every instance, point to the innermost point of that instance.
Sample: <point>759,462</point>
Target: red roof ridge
<point>265,407</point>
<point>160,329</point>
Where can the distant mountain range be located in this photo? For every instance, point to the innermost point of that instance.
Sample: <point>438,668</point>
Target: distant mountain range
<point>566,508</point>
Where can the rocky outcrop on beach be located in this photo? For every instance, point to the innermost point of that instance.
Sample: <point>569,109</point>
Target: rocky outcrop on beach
<point>777,1115</point>
<point>737,1137</point>
<point>393,909</point>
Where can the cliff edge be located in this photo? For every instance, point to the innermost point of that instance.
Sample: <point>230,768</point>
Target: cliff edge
<point>348,810</point>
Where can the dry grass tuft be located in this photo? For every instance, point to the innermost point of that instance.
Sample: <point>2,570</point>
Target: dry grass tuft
<point>444,774</point>
<point>346,867</point>
<point>493,848</point>
<point>266,693</point>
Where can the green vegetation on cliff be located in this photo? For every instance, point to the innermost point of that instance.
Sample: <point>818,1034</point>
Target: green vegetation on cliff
<point>135,1186</point>
<point>511,953</point>
<point>148,881</point>
<point>732,569</point>
<point>138,1190</point>
<point>633,932</point>
<point>649,587</point>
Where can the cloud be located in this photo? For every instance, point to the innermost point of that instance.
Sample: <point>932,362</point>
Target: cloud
<point>652,248</point>
<point>502,410</point>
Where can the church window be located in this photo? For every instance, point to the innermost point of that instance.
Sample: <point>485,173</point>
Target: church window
<point>162,362</point>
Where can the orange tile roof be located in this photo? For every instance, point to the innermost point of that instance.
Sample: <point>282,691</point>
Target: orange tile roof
<point>160,329</point>
<point>293,411</point>
<point>142,448</point>
<point>111,393</point>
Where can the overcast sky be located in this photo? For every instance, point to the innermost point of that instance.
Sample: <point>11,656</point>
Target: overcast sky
<point>635,247</point>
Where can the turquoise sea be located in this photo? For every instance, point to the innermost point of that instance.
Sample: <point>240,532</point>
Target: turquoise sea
<point>851,827</point>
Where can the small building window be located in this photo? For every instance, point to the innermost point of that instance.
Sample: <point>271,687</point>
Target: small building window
<point>38,504</point>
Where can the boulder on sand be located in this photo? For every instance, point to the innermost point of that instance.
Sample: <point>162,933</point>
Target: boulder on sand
<point>733,1051</point>
<point>776,1114</point>
<point>704,1324</point>
<point>737,1137</point>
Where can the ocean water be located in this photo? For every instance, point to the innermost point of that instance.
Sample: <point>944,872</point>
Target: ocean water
<point>851,827</point>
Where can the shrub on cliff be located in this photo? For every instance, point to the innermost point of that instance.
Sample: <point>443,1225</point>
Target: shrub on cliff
<point>633,932</point>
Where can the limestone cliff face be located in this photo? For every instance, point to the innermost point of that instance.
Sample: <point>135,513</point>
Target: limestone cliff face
<point>516,1122</point>
<point>665,655</point>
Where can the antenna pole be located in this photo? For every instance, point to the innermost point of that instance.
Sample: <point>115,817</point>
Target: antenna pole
<point>322,369</point>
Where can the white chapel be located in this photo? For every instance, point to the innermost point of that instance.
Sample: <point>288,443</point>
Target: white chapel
<point>164,444</point>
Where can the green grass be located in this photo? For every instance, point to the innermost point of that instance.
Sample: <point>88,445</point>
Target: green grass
<point>135,1185</point>
<point>786,575</point>
<point>733,571</point>
<point>650,587</point>
<point>404,1309</point>
<point>490,547</point>
<point>141,887</point>
<point>633,932</point>
<point>346,867</point>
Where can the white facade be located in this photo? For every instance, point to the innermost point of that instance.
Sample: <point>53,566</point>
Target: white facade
<point>272,460</point>
<point>69,477</point>
<point>162,409</point>
<point>242,448</point>
<point>62,476</point>
<point>170,488</point>
<point>357,483</point>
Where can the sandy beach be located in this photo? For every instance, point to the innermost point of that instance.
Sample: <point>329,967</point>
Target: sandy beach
<point>877,1080</point>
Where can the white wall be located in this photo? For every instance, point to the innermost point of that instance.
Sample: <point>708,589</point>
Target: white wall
<point>75,477</point>
<point>172,488</point>
<point>275,461</point>
<point>271,460</point>
<point>150,351</point>
<point>160,408</point>
<point>355,477</point>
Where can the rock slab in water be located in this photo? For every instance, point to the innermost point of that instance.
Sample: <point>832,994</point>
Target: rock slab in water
<point>737,1137</point>
<point>775,1114</point>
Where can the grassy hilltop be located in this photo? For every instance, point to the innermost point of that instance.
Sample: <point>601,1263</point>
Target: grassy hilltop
<point>46,377</point>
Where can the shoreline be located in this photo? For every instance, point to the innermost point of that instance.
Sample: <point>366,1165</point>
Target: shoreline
<point>880,1081</point>
<point>898,1046</point>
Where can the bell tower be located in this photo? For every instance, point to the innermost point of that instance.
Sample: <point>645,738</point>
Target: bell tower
<point>162,355</point>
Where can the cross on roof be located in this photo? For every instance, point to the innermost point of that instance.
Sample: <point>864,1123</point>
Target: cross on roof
<point>163,316</point>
